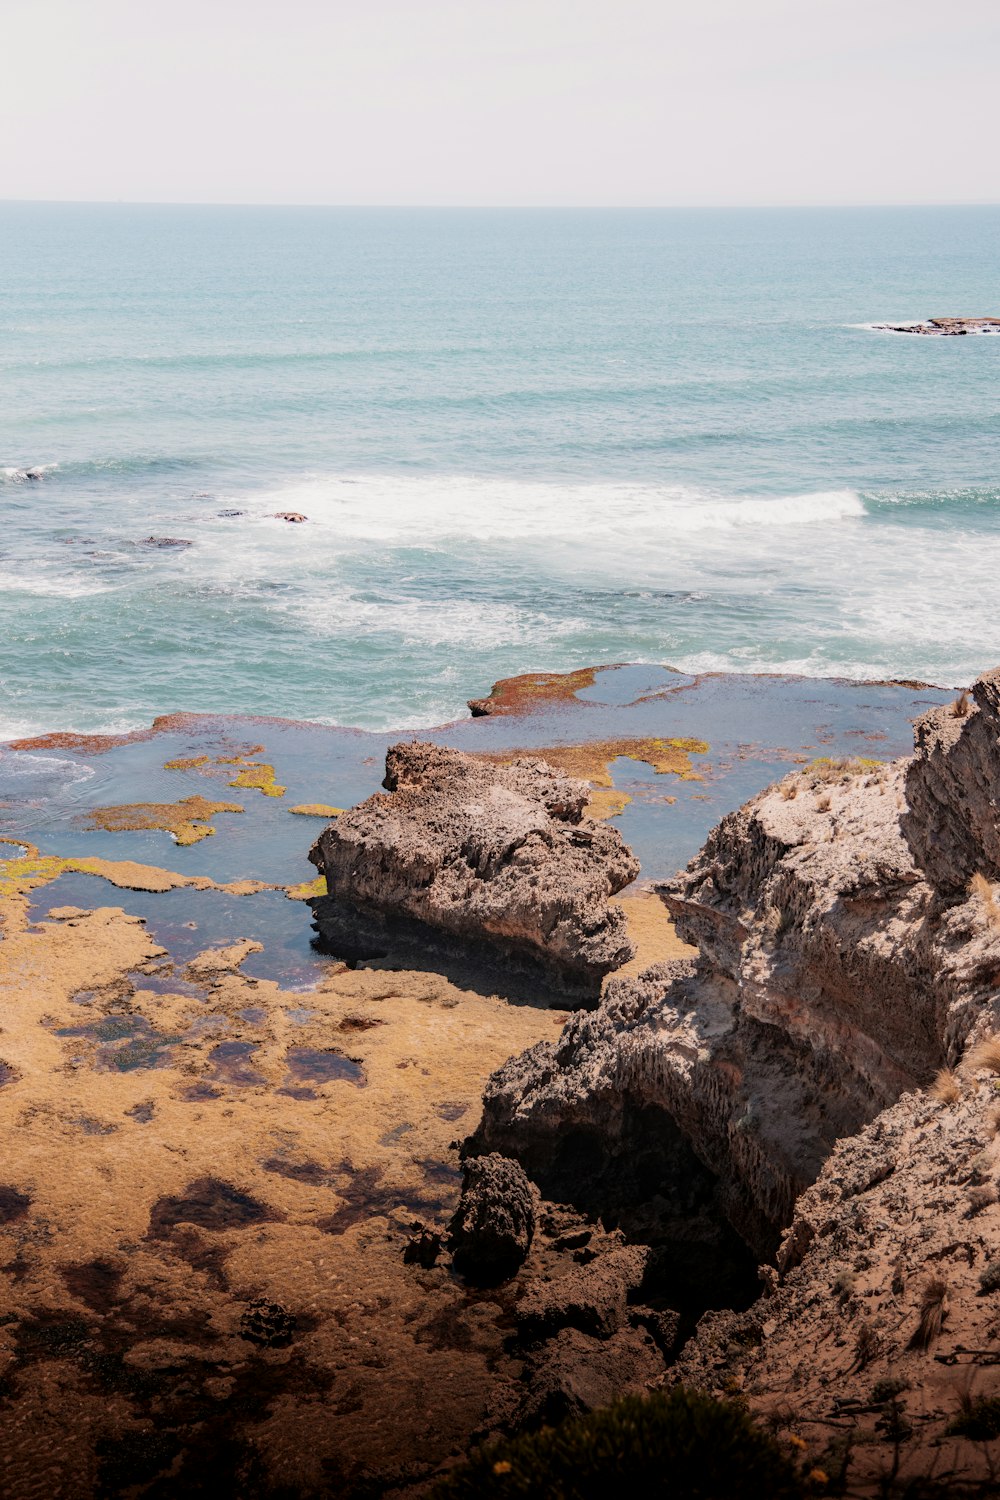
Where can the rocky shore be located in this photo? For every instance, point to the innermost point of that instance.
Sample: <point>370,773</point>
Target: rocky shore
<point>278,1219</point>
<point>822,1078</point>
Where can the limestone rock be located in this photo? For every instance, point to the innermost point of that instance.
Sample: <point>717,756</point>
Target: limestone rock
<point>591,1297</point>
<point>902,1222</point>
<point>487,854</point>
<point>574,1373</point>
<point>491,1231</point>
<point>952,823</point>
<point>842,963</point>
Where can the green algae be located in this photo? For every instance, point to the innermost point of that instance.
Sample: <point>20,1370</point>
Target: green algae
<point>257,776</point>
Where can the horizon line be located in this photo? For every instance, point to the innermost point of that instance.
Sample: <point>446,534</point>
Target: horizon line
<point>495,207</point>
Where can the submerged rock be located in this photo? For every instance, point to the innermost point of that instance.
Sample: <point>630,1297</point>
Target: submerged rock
<point>491,1231</point>
<point>489,854</point>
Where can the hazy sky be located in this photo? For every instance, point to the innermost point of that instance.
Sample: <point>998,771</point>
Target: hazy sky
<point>501,101</point>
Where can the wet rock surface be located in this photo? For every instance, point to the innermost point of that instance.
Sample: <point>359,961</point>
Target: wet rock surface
<point>488,854</point>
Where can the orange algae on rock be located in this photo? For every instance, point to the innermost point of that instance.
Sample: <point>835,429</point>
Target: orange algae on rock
<point>100,744</point>
<point>519,695</point>
<point>186,821</point>
<point>186,763</point>
<point>316,810</point>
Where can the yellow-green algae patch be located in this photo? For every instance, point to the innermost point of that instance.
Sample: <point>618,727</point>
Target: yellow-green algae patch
<point>25,872</point>
<point>604,803</point>
<point>187,820</point>
<point>591,761</point>
<point>255,776</point>
<point>316,810</point>
<point>259,777</point>
<point>307,888</point>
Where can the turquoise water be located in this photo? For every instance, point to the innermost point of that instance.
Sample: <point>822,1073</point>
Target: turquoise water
<point>523,440</point>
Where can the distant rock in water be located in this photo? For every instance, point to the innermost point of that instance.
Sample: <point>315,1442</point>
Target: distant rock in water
<point>165,541</point>
<point>943,327</point>
<point>295,516</point>
<point>491,855</point>
<point>19,476</point>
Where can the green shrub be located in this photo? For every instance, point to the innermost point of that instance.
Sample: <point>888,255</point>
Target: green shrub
<point>680,1445</point>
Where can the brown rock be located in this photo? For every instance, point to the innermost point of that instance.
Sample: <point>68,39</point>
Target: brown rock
<point>592,1298</point>
<point>488,854</point>
<point>492,1228</point>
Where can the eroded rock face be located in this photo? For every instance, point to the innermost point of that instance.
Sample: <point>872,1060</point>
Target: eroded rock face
<point>882,1333</point>
<point>842,962</point>
<point>952,787</point>
<point>492,1228</point>
<point>490,854</point>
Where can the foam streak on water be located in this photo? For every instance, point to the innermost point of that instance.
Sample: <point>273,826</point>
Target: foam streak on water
<point>522,441</point>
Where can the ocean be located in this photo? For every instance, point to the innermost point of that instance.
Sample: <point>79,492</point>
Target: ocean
<point>523,440</point>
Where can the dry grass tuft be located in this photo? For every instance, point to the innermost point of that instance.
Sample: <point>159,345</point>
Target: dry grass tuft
<point>986,1055</point>
<point>867,1347</point>
<point>789,790</point>
<point>823,803</point>
<point>981,888</point>
<point>960,707</point>
<point>833,770</point>
<point>980,1198</point>
<point>946,1087</point>
<point>933,1311</point>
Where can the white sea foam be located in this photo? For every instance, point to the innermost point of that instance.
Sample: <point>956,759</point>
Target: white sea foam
<point>51,585</point>
<point>434,509</point>
<point>26,475</point>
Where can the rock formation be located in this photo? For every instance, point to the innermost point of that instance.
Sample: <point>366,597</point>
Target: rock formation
<point>879,1347</point>
<point>485,854</point>
<point>491,1231</point>
<point>844,959</point>
<point>944,327</point>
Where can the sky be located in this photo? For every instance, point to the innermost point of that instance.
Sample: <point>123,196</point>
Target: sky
<point>500,102</point>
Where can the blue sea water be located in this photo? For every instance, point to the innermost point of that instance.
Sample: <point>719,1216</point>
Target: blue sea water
<point>523,440</point>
